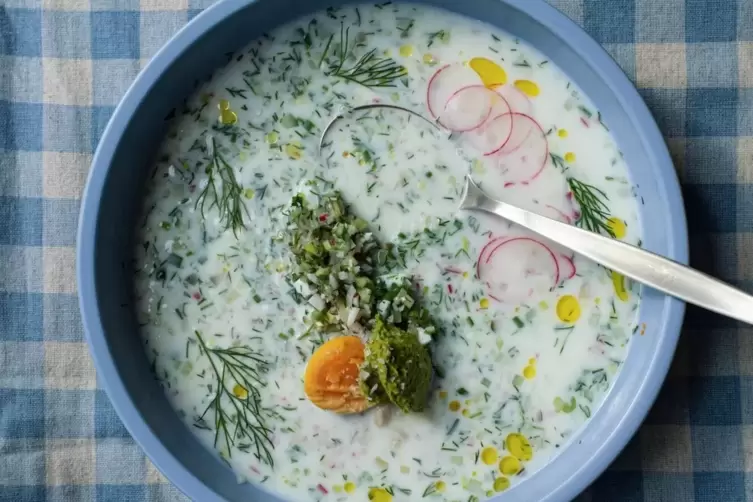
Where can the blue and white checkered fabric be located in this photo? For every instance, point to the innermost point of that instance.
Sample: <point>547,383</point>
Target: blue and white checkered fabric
<point>64,64</point>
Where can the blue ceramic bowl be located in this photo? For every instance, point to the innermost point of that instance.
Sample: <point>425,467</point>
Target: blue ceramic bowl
<point>113,197</point>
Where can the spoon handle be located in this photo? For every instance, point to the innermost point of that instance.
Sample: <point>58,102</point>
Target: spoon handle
<point>643,266</point>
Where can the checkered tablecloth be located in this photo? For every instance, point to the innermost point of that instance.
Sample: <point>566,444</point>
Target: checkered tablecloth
<point>64,64</point>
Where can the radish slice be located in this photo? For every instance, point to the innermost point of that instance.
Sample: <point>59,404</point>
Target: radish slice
<point>492,134</point>
<point>467,108</point>
<point>518,267</point>
<point>486,250</point>
<point>566,266</point>
<point>445,82</point>
<point>516,100</point>
<point>526,152</point>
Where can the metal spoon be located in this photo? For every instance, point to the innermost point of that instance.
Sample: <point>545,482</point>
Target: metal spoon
<point>643,266</point>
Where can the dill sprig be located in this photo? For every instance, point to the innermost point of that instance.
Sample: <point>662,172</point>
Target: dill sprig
<point>225,191</point>
<point>594,211</point>
<point>238,412</point>
<point>369,70</point>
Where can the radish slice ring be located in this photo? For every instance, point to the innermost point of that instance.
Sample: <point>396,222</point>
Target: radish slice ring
<point>526,152</point>
<point>518,267</point>
<point>488,247</point>
<point>566,266</point>
<point>467,108</point>
<point>516,100</point>
<point>492,135</point>
<point>445,82</point>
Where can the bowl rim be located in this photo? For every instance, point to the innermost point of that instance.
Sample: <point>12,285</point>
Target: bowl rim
<point>553,20</point>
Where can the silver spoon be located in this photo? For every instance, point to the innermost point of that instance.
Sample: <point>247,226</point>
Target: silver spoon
<point>643,266</point>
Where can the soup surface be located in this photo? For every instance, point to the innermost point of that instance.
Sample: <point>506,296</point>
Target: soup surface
<point>524,337</point>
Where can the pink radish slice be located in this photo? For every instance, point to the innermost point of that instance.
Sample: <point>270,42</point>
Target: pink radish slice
<point>467,108</point>
<point>445,82</point>
<point>566,266</point>
<point>517,268</point>
<point>516,100</point>
<point>488,247</point>
<point>526,153</point>
<point>493,134</point>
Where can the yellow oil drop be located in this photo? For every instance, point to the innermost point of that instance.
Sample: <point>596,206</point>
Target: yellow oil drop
<point>492,75</point>
<point>293,150</point>
<point>240,391</point>
<point>227,116</point>
<point>568,309</point>
<point>349,487</point>
<point>509,466</point>
<point>379,495</point>
<point>617,226</point>
<point>484,303</point>
<point>527,87</point>
<point>489,455</point>
<point>406,50</point>
<point>441,486</point>
<point>501,484</point>
<point>618,281</point>
<point>454,405</point>
<point>529,372</point>
<point>570,157</point>
<point>562,133</point>
<point>429,59</point>
<point>271,137</point>
<point>518,446</point>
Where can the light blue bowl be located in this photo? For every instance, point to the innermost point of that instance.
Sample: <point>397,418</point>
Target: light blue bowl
<point>113,197</point>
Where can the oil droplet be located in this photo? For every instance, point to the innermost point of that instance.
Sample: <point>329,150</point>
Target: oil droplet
<point>240,391</point>
<point>406,50</point>
<point>454,406</point>
<point>527,87</point>
<point>227,116</point>
<point>379,495</point>
<point>529,372</point>
<point>618,227</point>
<point>465,412</point>
<point>249,193</point>
<point>271,137</point>
<point>492,75</point>
<point>618,281</point>
<point>489,455</point>
<point>570,157</point>
<point>562,133</point>
<point>484,303</point>
<point>293,151</point>
<point>501,484</point>
<point>509,466</point>
<point>440,486</point>
<point>429,59</point>
<point>518,446</point>
<point>568,309</point>
<point>349,487</point>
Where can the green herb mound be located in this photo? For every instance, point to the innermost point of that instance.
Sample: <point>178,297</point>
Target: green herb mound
<point>397,368</point>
